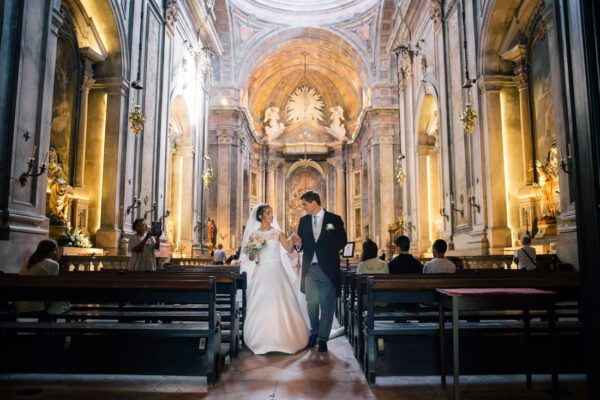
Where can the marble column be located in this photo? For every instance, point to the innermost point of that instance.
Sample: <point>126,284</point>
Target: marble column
<point>90,57</point>
<point>107,236</point>
<point>27,68</point>
<point>518,55</point>
<point>498,234</point>
<point>187,207</point>
<point>340,188</point>
<point>271,189</point>
<point>422,243</point>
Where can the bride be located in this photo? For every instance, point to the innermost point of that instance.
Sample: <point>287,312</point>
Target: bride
<point>276,317</point>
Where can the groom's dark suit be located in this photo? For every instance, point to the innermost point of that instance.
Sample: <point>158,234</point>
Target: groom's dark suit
<point>321,275</point>
<point>327,246</point>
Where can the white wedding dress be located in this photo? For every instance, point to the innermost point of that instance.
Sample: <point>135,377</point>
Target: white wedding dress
<point>275,318</point>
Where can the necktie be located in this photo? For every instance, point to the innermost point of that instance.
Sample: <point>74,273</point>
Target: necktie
<point>315,225</point>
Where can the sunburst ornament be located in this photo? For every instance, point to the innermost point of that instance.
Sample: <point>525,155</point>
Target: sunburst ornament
<point>305,102</point>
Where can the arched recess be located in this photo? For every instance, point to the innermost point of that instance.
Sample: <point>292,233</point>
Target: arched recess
<point>301,177</point>
<point>180,224</point>
<point>430,224</point>
<point>519,40</point>
<point>88,114</point>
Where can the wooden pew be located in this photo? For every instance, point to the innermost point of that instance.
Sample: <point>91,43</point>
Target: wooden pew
<point>565,283</point>
<point>403,290</point>
<point>226,302</point>
<point>186,348</point>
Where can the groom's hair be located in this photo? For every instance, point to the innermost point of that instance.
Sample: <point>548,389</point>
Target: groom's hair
<point>260,211</point>
<point>311,196</point>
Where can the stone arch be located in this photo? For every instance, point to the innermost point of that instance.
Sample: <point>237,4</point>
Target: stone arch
<point>429,202</point>
<point>300,177</point>
<point>180,184</point>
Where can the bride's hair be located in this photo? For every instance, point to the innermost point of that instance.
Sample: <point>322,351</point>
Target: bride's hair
<point>260,211</point>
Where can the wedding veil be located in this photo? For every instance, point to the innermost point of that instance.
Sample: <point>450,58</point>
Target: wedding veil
<point>252,225</point>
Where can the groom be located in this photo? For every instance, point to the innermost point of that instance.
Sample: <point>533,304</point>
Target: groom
<point>321,235</point>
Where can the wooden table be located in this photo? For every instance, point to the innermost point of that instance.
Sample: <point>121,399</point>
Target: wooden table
<point>458,300</point>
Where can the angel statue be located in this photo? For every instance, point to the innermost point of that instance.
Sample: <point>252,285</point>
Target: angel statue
<point>275,128</point>
<point>336,129</point>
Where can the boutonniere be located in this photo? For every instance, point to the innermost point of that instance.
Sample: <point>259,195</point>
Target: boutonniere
<point>329,227</point>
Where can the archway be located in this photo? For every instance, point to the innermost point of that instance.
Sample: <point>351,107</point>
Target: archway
<point>301,177</point>
<point>180,225</point>
<point>430,224</point>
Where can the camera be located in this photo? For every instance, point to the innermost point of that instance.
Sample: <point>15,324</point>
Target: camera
<point>156,228</point>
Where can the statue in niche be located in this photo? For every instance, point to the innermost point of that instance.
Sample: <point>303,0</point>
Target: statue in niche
<point>60,190</point>
<point>548,182</point>
<point>275,128</point>
<point>337,129</point>
<point>433,130</point>
<point>211,232</point>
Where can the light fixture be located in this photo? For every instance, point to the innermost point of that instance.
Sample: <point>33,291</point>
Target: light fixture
<point>207,176</point>
<point>400,175</point>
<point>136,116</point>
<point>468,116</point>
<point>136,119</point>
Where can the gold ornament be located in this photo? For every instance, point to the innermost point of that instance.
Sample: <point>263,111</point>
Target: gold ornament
<point>137,119</point>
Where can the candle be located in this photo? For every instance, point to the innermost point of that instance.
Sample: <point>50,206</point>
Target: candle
<point>33,154</point>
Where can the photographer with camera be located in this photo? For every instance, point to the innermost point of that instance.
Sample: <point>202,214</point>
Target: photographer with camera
<point>142,245</point>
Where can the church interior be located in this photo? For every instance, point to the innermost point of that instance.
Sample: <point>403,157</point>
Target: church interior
<point>471,121</point>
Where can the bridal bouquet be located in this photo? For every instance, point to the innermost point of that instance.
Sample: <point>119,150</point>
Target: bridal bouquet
<point>254,245</point>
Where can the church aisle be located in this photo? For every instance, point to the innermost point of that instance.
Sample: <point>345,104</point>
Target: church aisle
<point>306,375</point>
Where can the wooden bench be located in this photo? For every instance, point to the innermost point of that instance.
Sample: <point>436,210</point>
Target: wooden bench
<point>404,293</point>
<point>226,302</point>
<point>565,283</point>
<point>181,348</point>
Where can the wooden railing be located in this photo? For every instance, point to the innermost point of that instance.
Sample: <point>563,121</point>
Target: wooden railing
<point>98,263</point>
<point>545,262</point>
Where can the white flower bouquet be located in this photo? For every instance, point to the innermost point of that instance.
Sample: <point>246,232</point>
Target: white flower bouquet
<point>254,245</point>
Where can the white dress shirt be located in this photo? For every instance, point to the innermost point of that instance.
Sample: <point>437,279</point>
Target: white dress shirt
<point>317,229</point>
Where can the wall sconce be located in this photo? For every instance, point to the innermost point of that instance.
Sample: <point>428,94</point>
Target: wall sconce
<point>566,166</point>
<point>32,170</point>
<point>400,175</point>
<point>452,206</point>
<point>154,205</point>
<point>443,214</point>
<point>473,203</point>
<point>136,204</point>
<point>137,120</point>
<point>207,176</point>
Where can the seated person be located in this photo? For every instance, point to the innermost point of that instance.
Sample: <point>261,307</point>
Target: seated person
<point>404,262</point>
<point>220,255</point>
<point>370,263</point>
<point>43,261</point>
<point>525,256</point>
<point>439,264</point>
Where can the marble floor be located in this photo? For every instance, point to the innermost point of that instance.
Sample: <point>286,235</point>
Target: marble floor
<point>306,375</point>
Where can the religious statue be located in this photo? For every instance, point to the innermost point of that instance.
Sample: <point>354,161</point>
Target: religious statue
<point>275,128</point>
<point>433,129</point>
<point>548,182</point>
<point>211,232</point>
<point>337,129</point>
<point>59,189</point>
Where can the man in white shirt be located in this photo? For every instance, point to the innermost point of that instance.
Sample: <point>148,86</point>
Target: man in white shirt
<point>525,256</point>
<point>439,264</point>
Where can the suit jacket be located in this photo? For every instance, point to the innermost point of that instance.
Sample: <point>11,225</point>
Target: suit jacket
<point>327,247</point>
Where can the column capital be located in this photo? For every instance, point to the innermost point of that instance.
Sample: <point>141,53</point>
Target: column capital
<point>171,13</point>
<point>435,12</point>
<point>495,83</point>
